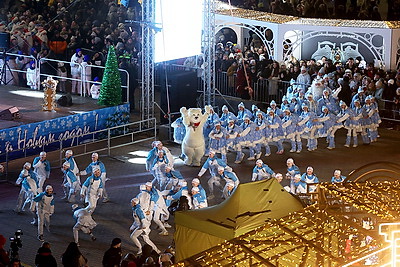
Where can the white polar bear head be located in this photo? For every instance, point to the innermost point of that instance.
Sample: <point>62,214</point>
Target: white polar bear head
<point>195,116</point>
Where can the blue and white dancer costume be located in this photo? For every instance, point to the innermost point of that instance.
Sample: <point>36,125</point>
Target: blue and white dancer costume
<point>160,211</point>
<point>140,227</point>
<point>310,178</point>
<point>182,191</point>
<point>255,110</point>
<point>242,112</point>
<point>229,177</point>
<point>360,96</point>
<point>217,139</point>
<point>84,222</point>
<point>328,101</point>
<point>233,141</point>
<point>289,126</point>
<point>199,201</point>
<point>275,109</point>
<point>248,138</point>
<point>338,177</point>
<point>275,124</point>
<point>298,186</point>
<point>209,126</point>
<point>212,163</point>
<point>311,103</point>
<point>230,189</point>
<point>173,177</point>
<point>261,136</point>
<point>292,170</point>
<point>153,153</point>
<point>70,158</point>
<point>202,191</point>
<point>313,124</point>
<point>92,189</point>
<point>89,170</point>
<point>358,122</point>
<point>29,189</point>
<point>373,113</point>
<point>45,208</point>
<point>179,130</point>
<point>74,168</point>
<point>294,106</point>
<point>261,171</point>
<point>329,124</point>
<point>285,103</point>
<point>302,126</point>
<point>345,116</point>
<point>42,169</point>
<point>159,165</point>
<point>71,183</point>
<point>226,116</point>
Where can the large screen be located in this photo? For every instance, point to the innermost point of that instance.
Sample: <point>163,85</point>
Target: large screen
<point>178,28</point>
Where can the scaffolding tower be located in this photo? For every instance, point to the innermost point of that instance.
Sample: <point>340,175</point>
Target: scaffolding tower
<point>147,57</point>
<point>208,46</point>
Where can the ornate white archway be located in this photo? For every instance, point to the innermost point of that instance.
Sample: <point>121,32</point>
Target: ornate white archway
<point>261,32</point>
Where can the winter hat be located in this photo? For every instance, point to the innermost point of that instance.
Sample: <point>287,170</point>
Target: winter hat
<point>97,40</point>
<point>116,241</point>
<point>241,105</point>
<point>96,79</point>
<point>259,161</point>
<point>149,184</point>
<point>182,183</point>
<point>254,107</point>
<point>196,180</point>
<point>142,187</point>
<point>195,189</point>
<point>224,107</point>
<point>86,58</point>
<point>272,103</point>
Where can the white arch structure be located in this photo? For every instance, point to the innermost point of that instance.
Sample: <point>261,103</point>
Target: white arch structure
<point>304,30</point>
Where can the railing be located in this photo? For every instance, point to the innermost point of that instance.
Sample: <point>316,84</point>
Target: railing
<point>265,90</point>
<point>127,130</point>
<point>12,64</point>
<point>83,82</point>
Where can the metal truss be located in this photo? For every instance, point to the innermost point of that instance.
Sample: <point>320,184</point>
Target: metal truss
<point>147,57</point>
<point>208,46</point>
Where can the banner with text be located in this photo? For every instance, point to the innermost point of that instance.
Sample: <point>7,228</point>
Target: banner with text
<point>30,139</point>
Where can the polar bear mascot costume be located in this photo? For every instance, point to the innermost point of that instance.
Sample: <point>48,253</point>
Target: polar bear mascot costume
<point>193,145</point>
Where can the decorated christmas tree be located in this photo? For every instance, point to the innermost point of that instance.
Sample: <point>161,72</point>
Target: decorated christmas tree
<point>111,93</point>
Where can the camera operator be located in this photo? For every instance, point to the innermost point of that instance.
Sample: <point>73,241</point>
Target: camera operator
<point>4,259</point>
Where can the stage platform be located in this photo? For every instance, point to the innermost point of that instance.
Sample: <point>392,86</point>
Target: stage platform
<point>29,102</point>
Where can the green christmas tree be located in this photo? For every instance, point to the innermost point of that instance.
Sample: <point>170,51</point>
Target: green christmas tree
<point>111,92</point>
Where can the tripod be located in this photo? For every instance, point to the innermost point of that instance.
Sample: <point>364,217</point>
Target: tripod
<point>4,69</point>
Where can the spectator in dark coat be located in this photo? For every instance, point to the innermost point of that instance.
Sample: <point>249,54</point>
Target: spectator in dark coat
<point>44,258</point>
<point>112,257</point>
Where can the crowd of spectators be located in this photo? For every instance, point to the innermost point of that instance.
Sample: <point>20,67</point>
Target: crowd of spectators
<point>337,9</point>
<point>56,29</point>
<point>73,257</point>
<point>250,65</point>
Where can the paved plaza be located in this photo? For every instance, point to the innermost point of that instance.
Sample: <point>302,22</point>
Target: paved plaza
<point>126,169</point>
